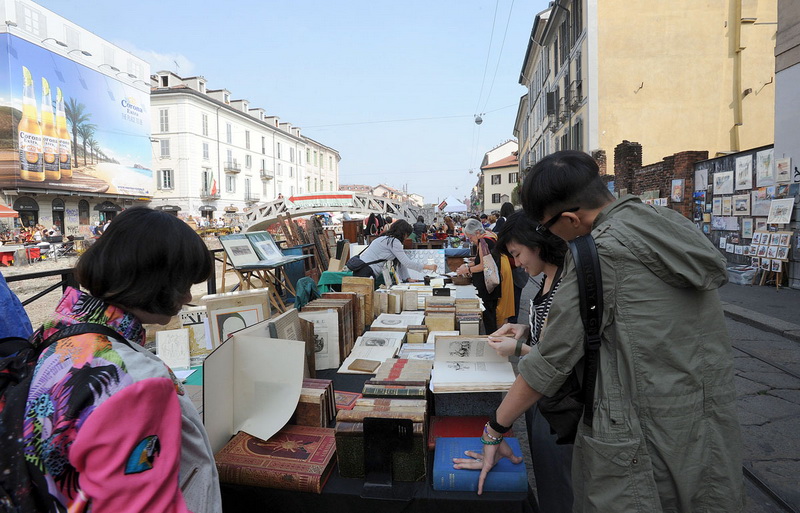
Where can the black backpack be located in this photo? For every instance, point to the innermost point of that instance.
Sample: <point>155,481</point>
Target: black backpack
<point>21,489</point>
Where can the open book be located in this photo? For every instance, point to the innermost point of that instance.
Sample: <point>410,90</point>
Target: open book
<point>469,364</point>
<point>255,250</point>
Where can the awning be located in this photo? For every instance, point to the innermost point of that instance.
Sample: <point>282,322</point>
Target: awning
<point>168,208</point>
<point>6,211</point>
<point>58,205</point>
<point>231,208</point>
<point>207,208</point>
<point>107,206</point>
<point>25,203</point>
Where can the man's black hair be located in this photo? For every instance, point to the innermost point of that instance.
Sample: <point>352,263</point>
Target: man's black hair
<point>506,209</point>
<point>146,259</point>
<point>520,228</point>
<point>563,180</point>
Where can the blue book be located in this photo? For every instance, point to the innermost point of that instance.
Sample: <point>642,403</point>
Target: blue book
<point>504,477</point>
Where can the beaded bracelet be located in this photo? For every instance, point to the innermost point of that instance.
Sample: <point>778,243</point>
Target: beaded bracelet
<point>484,442</point>
<point>494,439</point>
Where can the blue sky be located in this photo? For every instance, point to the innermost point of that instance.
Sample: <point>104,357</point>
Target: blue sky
<point>393,86</point>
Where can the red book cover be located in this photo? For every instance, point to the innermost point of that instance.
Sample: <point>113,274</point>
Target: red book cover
<point>346,400</point>
<point>456,427</point>
<point>297,458</point>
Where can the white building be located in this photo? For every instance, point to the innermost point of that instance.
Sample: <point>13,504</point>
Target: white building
<point>215,153</point>
<point>500,172</point>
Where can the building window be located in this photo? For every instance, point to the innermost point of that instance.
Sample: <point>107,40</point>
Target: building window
<point>321,160</point>
<point>247,188</point>
<point>33,21</point>
<point>248,161</point>
<point>496,179</point>
<point>247,139</point>
<point>291,170</point>
<point>228,133</point>
<point>308,155</point>
<point>279,150</point>
<point>331,186</point>
<point>496,198</point>
<point>263,145</point>
<point>229,153</point>
<point>208,180</point>
<point>291,154</point>
<point>205,124</point>
<point>513,177</point>
<point>263,165</point>
<point>330,163</point>
<point>205,151</point>
<point>315,158</point>
<point>230,183</point>
<point>280,172</point>
<point>83,212</point>
<point>315,185</point>
<point>163,118</point>
<point>165,179</point>
<point>164,148</point>
<point>226,97</point>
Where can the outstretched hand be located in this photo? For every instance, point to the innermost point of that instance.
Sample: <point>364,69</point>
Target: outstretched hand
<point>516,331</point>
<point>486,460</point>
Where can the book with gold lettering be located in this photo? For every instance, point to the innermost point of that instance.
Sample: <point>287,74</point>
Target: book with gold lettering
<point>296,458</point>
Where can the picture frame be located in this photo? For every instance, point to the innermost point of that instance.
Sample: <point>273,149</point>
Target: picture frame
<point>741,205</point>
<point>744,172</point>
<point>723,183</point>
<point>775,240</point>
<point>232,311</point>
<point>783,170</point>
<point>772,251</point>
<point>701,179</point>
<point>753,249</point>
<point>782,190</point>
<point>760,223</point>
<point>777,266</point>
<point>730,248</point>
<point>783,253</point>
<point>765,264</point>
<point>739,250</point>
<point>765,168</point>
<point>762,251</point>
<point>756,238</point>
<point>746,250</point>
<point>727,206</point>
<point>755,262</point>
<point>784,239</point>
<point>780,211</point>
<point>716,209</point>
<point>676,196</point>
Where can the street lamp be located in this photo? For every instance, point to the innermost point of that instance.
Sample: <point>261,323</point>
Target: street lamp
<point>113,68</point>
<point>129,75</point>
<point>83,52</point>
<point>59,43</point>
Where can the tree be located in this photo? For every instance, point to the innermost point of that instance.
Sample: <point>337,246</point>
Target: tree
<point>76,116</point>
<point>86,131</point>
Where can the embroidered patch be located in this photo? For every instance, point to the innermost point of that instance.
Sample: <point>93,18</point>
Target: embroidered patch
<point>143,455</point>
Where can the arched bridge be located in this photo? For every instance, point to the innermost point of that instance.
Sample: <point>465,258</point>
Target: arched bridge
<point>264,214</point>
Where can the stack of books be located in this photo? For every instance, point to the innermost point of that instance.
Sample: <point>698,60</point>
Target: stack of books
<point>317,405</point>
<point>397,322</point>
<point>417,334</point>
<point>371,350</point>
<point>469,364</point>
<point>365,287</point>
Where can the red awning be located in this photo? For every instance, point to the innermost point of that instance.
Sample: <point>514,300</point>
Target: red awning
<point>6,211</point>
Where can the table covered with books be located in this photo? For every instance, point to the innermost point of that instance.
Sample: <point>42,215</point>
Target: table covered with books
<point>376,385</point>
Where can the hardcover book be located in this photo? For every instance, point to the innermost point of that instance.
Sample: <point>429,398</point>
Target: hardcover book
<point>406,465</point>
<point>346,400</point>
<point>364,286</point>
<point>296,458</point>
<point>504,477</point>
<point>461,426</point>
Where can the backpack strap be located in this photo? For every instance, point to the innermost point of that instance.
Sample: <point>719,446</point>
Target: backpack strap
<point>590,288</point>
<point>79,329</point>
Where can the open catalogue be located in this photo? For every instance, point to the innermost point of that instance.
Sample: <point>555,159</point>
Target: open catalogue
<point>469,364</point>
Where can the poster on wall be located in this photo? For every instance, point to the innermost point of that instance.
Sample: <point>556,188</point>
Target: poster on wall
<point>677,190</point>
<point>765,168</point>
<point>723,183</point>
<point>69,127</point>
<point>760,202</point>
<point>701,179</point>
<point>783,170</point>
<point>747,227</point>
<point>744,172</point>
<point>727,206</point>
<point>780,211</point>
<point>741,205</point>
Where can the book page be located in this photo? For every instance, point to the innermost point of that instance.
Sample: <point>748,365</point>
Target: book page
<point>326,337</point>
<point>239,250</point>
<point>172,347</point>
<point>373,345</point>
<point>265,246</point>
<point>466,349</point>
<point>287,325</point>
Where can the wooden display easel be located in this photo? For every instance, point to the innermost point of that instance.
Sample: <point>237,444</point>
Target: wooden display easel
<point>271,279</point>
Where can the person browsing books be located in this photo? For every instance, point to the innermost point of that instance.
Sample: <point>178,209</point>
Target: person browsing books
<point>108,426</point>
<point>538,254</point>
<point>664,433</point>
<point>385,248</point>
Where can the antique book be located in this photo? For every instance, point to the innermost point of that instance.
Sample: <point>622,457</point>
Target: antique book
<point>254,250</point>
<point>381,302</point>
<point>504,477</point>
<point>346,400</point>
<point>394,412</point>
<point>397,322</point>
<point>410,300</point>
<point>417,352</point>
<point>376,346</point>
<point>414,391</point>
<point>408,465</point>
<point>355,301</point>
<point>231,311</point>
<point>296,458</point>
<point>326,337</point>
<point>459,426</point>
<point>382,401</point>
<point>360,365</point>
<point>288,326</point>
<point>440,321</point>
<point>344,313</point>
<point>469,364</point>
<point>433,334</point>
<point>417,334</point>
<point>329,396</point>
<point>364,286</point>
<point>194,319</point>
<point>312,409</point>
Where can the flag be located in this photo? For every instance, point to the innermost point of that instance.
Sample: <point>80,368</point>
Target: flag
<point>442,205</point>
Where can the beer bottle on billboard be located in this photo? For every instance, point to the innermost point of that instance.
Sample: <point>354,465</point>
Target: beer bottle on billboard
<point>30,133</point>
<point>64,138</point>
<point>50,145</point>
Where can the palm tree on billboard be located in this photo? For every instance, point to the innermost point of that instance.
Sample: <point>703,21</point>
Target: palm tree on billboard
<point>86,131</point>
<point>77,116</point>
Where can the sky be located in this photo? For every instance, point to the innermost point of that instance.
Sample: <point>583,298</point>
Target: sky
<point>393,86</point>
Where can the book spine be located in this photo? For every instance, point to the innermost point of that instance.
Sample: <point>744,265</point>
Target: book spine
<point>267,478</point>
<point>399,382</point>
<point>393,391</point>
<point>447,480</point>
<point>421,403</point>
<point>360,415</point>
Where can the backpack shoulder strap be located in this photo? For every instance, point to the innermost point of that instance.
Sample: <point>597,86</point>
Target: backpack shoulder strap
<point>590,289</point>
<point>79,329</point>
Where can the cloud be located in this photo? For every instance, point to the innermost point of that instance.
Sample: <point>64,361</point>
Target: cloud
<point>171,61</point>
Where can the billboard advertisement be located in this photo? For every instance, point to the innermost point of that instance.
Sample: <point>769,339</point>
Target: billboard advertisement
<point>66,127</point>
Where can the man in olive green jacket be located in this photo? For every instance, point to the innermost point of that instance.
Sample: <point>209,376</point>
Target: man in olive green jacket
<point>665,435</point>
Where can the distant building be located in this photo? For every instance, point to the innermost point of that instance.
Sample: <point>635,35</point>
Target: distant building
<point>500,175</point>
<point>215,153</point>
<point>599,73</point>
<point>367,189</point>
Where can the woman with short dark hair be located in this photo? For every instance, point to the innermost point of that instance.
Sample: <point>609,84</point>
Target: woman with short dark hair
<point>108,426</point>
<point>387,247</point>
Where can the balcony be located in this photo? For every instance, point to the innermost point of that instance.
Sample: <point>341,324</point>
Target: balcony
<point>250,197</point>
<point>206,194</point>
<point>265,175</point>
<point>232,167</point>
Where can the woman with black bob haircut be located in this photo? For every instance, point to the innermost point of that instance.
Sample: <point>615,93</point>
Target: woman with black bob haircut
<point>387,247</point>
<point>147,261</point>
<point>107,424</point>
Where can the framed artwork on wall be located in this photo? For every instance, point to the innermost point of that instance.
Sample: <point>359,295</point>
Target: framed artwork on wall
<point>744,172</point>
<point>723,183</point>
<point>741,205</point>
<point>747,227</point>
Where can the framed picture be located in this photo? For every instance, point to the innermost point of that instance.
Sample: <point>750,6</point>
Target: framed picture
<point>727,208</point>
<point>776,239</point>
<point>730,248</point>
<point>762,251</point>
<point>772,251</point>
<point>233,311</point>
<point>756,236</point>
<point>783,253</point>
<point>765,168</point>
<point>761,223</point>
<point>747,227</point>
<point>701,179</point>
<point>755,261</point>
<point>744,172</point>
<point>765,264</point>
<point>741,205</point>
<point>783,170</point>
<point>723,183</point>
<point>776,266</point>
<point>780,211</point>
<point>739,250</point>
<point>677,190</point>
<point>784,239</point>
<point>753,249</point>
<point>706,229</point>
<point>782,190</point>
<point>716,209</point>
<point>770,192</point>
<point>746,250</point>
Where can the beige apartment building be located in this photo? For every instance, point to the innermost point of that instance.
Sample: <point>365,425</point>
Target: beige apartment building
<point>673,76</point>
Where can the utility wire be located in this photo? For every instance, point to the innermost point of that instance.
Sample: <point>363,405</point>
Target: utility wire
<point>502,45</point>
<point>488,53</point>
